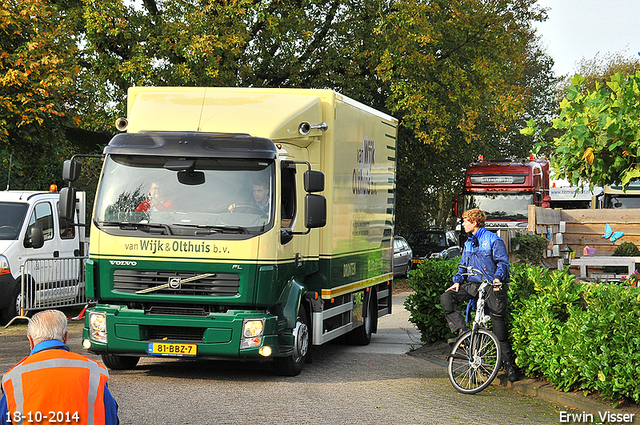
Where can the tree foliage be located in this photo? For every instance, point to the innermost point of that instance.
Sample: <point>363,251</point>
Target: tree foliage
<point>601,67</point>
<point>464,76</point>
<point>37,70</point>
<point>600,140</point>
<point>461,75</point>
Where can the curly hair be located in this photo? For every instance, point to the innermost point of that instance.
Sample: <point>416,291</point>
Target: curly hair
<point>475,215</point>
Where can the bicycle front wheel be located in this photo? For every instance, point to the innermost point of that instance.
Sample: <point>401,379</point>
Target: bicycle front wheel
<point>472,369</point>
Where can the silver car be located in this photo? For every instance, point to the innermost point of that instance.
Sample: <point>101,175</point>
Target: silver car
<point>402,257</point>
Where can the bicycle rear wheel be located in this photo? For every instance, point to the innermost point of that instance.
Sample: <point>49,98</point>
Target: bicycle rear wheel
<point>472,369</point>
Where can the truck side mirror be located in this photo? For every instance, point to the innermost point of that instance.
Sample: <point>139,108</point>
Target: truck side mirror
<point>315,207</point>
<point>313,181</point>
<point>71,170</point>
<point>34,238</point>
<point>67,203</point>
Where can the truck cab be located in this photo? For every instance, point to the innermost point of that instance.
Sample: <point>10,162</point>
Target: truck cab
<point>504,189</point>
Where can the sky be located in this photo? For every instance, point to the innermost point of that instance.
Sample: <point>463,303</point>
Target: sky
<point>579,29</point>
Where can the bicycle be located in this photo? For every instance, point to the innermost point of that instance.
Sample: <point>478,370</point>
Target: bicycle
<point>475,357</point>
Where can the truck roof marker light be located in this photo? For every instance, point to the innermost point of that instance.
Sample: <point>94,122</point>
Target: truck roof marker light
<point>53,188</point>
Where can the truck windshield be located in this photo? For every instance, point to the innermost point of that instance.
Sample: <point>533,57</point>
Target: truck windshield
<point>213,196</point>
<point>500,206</point>
<point>11,218</point>
<point>621,201</point>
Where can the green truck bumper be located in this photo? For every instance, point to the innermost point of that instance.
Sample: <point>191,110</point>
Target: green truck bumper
<point>134,333</point>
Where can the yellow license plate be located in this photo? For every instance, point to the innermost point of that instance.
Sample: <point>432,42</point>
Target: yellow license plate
<point>418,261</point>
<point>166,349</point>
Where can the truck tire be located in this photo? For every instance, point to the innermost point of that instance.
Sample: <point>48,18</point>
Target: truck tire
<point>116,362</point>
<point>292,365</point>
<point>362,334</point>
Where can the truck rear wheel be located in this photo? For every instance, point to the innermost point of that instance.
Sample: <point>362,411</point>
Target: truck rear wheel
<point>362,334</point>
<point>292,365</point>
<point>116,362</point>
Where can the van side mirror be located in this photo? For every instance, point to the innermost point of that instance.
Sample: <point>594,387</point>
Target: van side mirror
<point>67,203</point>
<point>71,170</point>
<point>315,207</point>
<point>34,238</point>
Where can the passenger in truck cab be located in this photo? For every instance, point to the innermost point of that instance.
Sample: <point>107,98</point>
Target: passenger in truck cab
<point>155,201</point>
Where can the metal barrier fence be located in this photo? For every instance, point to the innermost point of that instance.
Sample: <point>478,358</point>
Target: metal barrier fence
<point>51,283</point>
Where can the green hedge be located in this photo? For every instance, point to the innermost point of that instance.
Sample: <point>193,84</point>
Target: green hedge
<point>576,335</point>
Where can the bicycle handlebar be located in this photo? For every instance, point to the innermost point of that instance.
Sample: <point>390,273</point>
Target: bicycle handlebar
<point>471,271</point>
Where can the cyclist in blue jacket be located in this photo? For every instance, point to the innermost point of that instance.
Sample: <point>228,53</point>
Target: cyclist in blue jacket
<point>485,251</point>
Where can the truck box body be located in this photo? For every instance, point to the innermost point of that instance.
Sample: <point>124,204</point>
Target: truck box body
<point>192,272</point>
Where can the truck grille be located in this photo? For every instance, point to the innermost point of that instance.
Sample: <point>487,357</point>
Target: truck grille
<point>175,333</point>
<point>217,285</point>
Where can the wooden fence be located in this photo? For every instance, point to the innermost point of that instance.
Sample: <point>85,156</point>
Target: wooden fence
<point>584,228</point>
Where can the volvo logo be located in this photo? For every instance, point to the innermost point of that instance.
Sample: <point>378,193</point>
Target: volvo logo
<point>174,283</point>
<point>123,263</point>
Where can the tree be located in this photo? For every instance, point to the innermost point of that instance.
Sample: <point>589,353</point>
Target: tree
<point>286,43</point>
<point>600,132</point>
<point>600,68</point>
<point>462,74</point>
<point>37,51</point>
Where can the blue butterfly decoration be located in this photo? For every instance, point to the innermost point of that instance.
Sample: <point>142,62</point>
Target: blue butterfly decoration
<point>610,234</point>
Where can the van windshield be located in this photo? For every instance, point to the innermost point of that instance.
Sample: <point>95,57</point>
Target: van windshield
<point>11,218</point>
<point>205,197</point>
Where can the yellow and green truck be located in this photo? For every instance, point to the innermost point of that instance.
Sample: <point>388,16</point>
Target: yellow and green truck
<point>239,222</point>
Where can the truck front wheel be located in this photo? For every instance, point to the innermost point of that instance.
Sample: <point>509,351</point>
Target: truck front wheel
<point>292,365</point>
<point>115,362</point>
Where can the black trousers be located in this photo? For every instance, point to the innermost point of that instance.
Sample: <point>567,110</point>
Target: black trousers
<point>495,305</point>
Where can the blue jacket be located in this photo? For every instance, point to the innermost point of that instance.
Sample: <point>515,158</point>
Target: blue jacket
<point>487,252</point>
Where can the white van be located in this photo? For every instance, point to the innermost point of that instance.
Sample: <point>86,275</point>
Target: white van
<point>31,231</point>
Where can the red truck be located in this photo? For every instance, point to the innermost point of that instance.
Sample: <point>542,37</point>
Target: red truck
<point>504,189</point>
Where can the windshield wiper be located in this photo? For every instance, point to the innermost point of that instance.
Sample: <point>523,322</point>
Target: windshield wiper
<point>144,227</point>
<point>208,230</point>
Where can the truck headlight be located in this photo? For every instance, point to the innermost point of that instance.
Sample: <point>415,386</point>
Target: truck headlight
<point>252,332</point>
<point>4,265</point>
<point>98,326</point>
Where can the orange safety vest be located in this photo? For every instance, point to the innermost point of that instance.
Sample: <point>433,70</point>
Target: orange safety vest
<point>56,384</point>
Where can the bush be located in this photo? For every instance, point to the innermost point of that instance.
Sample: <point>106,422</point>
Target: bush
<point>529,248</point>
<point>579,336</point>
<point>627,249</point>
<point>429,280</point>
<point>576,335</point>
